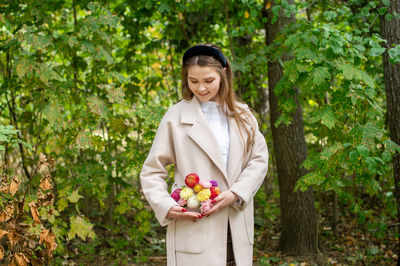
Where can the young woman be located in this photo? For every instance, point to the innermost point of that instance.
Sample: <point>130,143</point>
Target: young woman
<point>212,133</point>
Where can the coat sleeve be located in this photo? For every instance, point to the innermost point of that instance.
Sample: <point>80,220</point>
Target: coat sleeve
<point>253,174</point>
<point>153,174</point>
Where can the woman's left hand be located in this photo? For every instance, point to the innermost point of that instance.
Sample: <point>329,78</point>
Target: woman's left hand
<point>224,199</point>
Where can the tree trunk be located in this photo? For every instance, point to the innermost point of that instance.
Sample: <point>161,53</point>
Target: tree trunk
<point>298,214</point>
<point>390,30</point>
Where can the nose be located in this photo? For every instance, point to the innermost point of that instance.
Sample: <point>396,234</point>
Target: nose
<point>201,88</point>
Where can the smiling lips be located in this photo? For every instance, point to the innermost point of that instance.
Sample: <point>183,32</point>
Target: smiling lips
<point>203,94</point>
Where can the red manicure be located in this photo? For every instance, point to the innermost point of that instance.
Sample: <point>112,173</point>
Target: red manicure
<point>184,210</point>
<point>213,201</point>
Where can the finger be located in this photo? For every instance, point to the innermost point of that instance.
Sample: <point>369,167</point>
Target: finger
<point>215,208</point>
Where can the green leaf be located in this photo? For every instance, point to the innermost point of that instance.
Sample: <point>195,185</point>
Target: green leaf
<point>62,204</point>
<point>291,71</point>
<point>327,153</point>
<point>386,156</point>
<point>389,17</point>
<point>353,155</point>
<point>328,117</point>
<point>376,51</point>
<point>394,53</point>
<point>329,15</point>
<point>305,53</point>
<point>3,137</point>
<point>80,227</point>
<point>371,164</point>
<point>320,74</point>
<point>363,150</point>
<point>335,45</point>
<point>347,70</point>
<point>391,146</point>
<point>382,10</point>
<point>308,180</point>
<point>74,197</point>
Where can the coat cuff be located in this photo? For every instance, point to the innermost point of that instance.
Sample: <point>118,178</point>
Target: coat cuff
<point>237,205</point>
<point>162,211</point>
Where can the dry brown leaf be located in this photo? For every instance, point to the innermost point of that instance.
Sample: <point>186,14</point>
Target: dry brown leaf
<point>5,188</point>
<point>14,185</point>
<point>2,233</point>
<point>51,162</point>
<point>45,199</point>
<point>1,252</point>
<point>45,183</point>
<point>48,238</point>
<point>35,213</point>
<point>43,235</point>
<point>7,213</point>
<point>20,259</point>
<point>13,237</point>
<point>42,159</point>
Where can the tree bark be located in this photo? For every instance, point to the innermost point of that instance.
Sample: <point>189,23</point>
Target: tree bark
<point>390,30</point>
<point>298,214</point>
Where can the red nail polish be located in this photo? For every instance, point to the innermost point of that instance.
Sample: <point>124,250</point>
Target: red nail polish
<point>184,210</point>
<point>213,201</point>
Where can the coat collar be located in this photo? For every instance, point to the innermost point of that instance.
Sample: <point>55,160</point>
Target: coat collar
<point>201,134</point>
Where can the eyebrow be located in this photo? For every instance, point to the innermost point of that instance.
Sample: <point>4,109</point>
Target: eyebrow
<point>212,77</point>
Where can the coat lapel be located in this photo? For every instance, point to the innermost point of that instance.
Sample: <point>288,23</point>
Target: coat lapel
<point>201,133</point>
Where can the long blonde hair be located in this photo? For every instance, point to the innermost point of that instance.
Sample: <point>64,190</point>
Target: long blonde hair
<point>227,96</point>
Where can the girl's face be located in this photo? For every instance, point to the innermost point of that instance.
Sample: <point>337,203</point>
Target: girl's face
<point>204,82</point>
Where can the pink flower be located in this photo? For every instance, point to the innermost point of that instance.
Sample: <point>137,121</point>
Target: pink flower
<point>182,202</point>
<point>176,194</point>
<point>205,206</point>
<point>205,184</point>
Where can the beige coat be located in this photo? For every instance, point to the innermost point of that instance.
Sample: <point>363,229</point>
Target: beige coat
<point>185,140</point>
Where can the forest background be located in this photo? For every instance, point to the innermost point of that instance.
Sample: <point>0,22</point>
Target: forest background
<point>84,84</point>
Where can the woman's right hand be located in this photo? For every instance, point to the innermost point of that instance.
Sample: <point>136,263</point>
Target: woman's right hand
<point>179,213</point>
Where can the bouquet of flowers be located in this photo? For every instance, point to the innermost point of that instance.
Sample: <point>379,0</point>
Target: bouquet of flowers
<point>197,193</point>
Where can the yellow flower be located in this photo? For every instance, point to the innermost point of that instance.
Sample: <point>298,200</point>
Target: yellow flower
<point>186,193</point>
<point>197,188</point>
<point>204,194</point>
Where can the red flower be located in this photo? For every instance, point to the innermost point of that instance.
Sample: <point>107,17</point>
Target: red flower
<point>214,192</point>
<point>191,180</point>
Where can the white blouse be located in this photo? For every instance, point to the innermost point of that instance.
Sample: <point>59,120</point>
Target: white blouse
<point>218,123</point>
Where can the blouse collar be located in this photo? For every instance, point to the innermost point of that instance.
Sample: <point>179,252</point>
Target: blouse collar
<point>208,106</point>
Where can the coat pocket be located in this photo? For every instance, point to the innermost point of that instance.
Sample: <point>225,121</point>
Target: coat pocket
<point>191,237</point>
<point>249,221</point>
